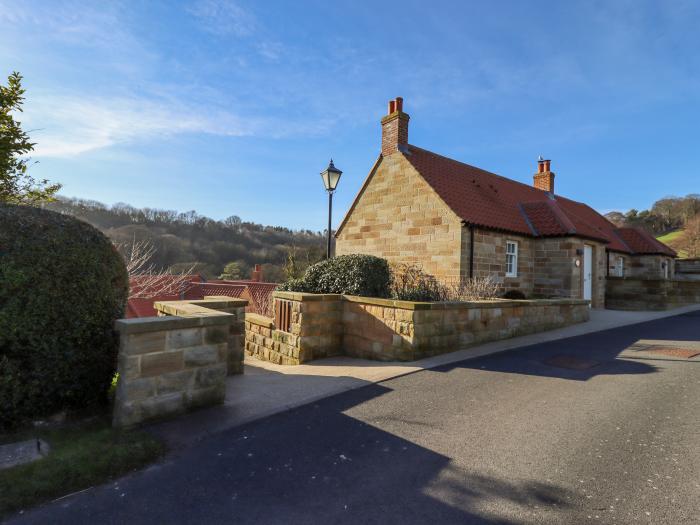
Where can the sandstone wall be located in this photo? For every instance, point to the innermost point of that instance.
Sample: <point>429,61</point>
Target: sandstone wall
<point>388,330</point>
<point>650,267</point>
<point>490,258</point>
<point>399,217</point>
<point>315,330</point>
<point>170,364</point>
<point>556,273</point>
<point>630,293</point>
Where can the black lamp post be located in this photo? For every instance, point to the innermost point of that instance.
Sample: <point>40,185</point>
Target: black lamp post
<point>331,176</point>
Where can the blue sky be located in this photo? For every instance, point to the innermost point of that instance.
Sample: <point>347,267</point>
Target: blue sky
<point>233,107</point>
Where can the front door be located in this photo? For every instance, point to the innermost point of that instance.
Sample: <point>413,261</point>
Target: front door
<point>587,272</point>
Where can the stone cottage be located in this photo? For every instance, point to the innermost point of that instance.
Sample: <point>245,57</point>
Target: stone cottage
<point>458,221</point>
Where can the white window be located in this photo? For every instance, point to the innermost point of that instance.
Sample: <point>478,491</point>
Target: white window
<point>511,259</point>
<point>620,267</point>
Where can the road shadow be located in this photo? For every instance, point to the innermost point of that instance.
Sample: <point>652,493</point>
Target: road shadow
<point>313,464</point>
<point>583,357</point>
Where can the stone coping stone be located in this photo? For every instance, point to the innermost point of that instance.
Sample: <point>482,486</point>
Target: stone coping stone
<point>201,307</point>
<point>260,320</point>
<point>417,305</point>
<point>647,280</point>
<point>305,297</point>
<point>139,325</point>
<point>456,305</point>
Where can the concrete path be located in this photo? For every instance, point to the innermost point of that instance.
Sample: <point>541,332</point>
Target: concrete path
<point>265,388</point>
<point>567,432</point>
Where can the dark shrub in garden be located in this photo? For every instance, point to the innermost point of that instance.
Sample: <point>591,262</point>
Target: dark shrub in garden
<point>364,275</point>
<point>514,294</point>
<point>62,285</point>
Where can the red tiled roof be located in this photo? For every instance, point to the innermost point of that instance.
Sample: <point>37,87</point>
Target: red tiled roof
<point>641,241</point>
<point>481,198</point>
<point>143,307</point>
<point>147,285</point>
<point>259,294</point>
<point>200,290</point>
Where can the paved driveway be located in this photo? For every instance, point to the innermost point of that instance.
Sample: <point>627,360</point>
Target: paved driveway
<point>561,432</point>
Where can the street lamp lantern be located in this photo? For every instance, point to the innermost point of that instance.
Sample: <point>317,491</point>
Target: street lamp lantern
<point>331,177</point>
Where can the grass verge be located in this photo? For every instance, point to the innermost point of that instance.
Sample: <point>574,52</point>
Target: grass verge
<point>81,456</point>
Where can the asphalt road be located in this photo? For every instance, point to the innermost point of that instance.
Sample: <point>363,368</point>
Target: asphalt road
<point>500,439</point>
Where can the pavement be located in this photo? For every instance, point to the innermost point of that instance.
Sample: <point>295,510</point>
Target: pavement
<point>266,388</point>
<point>597,428</point>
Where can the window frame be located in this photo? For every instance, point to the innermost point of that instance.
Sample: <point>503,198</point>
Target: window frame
<point>514,266</point>
<point>620,266</point>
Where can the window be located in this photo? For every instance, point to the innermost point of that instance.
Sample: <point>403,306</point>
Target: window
<point>620,267</point>
<point>511,259</point>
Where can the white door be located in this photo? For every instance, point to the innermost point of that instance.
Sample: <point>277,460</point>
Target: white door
<point>587,272</point>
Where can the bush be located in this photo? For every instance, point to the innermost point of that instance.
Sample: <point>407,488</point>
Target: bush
<point>514,294</point>
<point>63,285</point>
<point>293,285</point>
<point>410,283</point>
<point>364,275</point>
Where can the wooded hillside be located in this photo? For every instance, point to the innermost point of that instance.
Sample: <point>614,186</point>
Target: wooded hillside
<point>184,239</point>
<point>670,214</point>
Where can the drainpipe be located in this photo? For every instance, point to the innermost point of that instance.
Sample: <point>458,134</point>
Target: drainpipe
<point>471,251</point>
<point>607,270</point>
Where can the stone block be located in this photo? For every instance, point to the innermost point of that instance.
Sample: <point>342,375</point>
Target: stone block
<point>216,334</point>
<point>174,382</point>
<point>161,363</point>
<point>144,343</point>
<point>129,367</point>
<point>163,406</point>
<point>210,376</point>
<point>184,338</point>
<point>203,397</point>
<point>131,390</point>
<point>203,355</point>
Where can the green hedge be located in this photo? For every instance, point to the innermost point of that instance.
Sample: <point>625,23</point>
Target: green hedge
<point>364,275</point>
<point>62,285</point>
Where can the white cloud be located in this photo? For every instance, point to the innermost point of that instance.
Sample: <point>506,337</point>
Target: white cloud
<point>224,17</point>
<point>65,126</point>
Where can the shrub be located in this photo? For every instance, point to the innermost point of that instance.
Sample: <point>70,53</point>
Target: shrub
<point>410,283</point>
<point>293,285</point>
<point>63,285</point>
<point>514,294</point>
<point>474,289</point>
<point>364,275</point>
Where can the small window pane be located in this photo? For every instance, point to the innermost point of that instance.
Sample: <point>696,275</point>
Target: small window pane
<point>511,259</point>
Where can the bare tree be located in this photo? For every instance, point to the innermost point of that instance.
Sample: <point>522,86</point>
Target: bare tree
<point>689,241</point>
<point>145,279</point>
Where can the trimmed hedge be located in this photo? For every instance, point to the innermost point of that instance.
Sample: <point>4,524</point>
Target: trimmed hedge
<point>62,285</point>
<point>364,275</point>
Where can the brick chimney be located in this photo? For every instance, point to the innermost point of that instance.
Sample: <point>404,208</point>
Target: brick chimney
<point>544,178</point>
<point>257,274</point>
<point>394,128</point>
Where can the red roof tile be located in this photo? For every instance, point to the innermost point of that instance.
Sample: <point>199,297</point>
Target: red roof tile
<point>481,198</point>
<point>143,307</point>
<point>643,242</point>
<point>200,290</point>
<point>259,294</point>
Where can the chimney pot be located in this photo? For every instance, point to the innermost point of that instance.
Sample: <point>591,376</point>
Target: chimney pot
<point>256,274</point>
<point>394,128</point>
<point>544,178</point>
